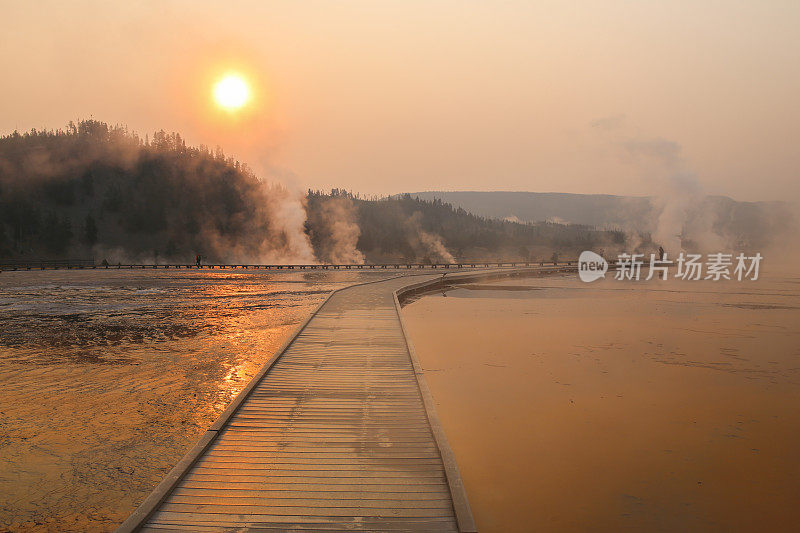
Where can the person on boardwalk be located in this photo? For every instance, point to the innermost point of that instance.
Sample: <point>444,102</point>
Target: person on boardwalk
<point>197,259</point>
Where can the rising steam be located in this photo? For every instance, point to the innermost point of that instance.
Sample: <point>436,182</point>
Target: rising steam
<point>427,245</point>
<point>338,229</point>
<point>682,216</point>
<point>677,189</point>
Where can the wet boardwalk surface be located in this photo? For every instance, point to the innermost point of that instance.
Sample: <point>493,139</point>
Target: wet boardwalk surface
<point>335,437</point>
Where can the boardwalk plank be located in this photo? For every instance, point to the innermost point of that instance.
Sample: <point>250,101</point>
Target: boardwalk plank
<point>260,492</point>
<point>246,502</point>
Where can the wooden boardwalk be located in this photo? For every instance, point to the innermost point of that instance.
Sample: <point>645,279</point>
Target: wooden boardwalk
<point>335,436</point>
<point>337,432</point>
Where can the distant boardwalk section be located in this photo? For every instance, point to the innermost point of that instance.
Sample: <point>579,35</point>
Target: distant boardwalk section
<point>70,264</point>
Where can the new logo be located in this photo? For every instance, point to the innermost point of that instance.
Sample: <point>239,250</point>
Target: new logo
<point>591,266</point>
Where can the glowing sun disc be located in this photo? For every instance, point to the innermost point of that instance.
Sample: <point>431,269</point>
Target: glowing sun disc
<point>231,92</point>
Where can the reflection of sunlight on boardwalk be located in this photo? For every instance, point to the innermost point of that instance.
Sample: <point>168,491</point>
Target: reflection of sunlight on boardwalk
<point>336,435</point>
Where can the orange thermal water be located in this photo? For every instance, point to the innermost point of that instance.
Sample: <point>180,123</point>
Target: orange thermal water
<point>669,406</point>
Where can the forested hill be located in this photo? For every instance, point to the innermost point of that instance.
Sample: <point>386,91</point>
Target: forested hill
<point>102,192</point>
<point>407,228</point>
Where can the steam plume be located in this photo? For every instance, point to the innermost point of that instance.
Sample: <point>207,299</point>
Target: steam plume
<point>426,243</point>
<point>337,215</point>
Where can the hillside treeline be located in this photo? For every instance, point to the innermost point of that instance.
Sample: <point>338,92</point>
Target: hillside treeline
<point>409,228</point>
<point>96,191</point>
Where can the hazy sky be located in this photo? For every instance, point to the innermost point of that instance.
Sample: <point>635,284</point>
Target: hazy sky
<point>382,97</point>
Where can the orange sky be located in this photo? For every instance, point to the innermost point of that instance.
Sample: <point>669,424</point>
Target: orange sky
<point>383,97</point>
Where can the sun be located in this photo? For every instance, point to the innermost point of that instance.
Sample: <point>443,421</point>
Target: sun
<point>231,92</point>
